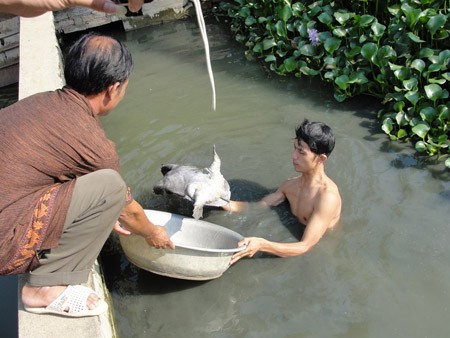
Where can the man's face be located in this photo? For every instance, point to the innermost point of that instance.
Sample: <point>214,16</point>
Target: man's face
<point>116,94</point>
<point>120,93</point>
<point>303,159</point>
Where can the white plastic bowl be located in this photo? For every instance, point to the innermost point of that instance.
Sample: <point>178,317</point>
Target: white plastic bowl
<point>203,249</point>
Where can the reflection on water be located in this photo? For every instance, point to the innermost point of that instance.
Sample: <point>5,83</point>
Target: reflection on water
<point>382,273</point>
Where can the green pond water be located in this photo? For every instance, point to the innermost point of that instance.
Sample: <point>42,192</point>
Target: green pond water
<point>384,272</point>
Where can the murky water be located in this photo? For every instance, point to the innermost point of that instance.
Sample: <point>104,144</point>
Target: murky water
<point>383,273</point>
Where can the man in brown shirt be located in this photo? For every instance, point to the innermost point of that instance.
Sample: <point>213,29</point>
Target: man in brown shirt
<point>61,191</point>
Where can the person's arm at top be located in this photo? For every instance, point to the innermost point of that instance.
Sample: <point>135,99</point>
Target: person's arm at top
<point>134,220</point>
<point>321,218</point>
<point>32,8</point>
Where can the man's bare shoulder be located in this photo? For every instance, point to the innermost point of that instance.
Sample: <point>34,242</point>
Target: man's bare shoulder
<point>290,183</point>
<point>329,201</point>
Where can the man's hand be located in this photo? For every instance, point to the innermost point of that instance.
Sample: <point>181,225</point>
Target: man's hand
<point>121,230</point>
<point>159,238</point>
<point>32,8</point>
<point>253,246</point>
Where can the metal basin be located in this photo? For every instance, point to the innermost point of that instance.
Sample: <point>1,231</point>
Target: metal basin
<point>203,250</point>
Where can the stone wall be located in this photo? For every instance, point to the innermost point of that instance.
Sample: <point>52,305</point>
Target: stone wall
<point>9,50</point>
<point>158,11</point>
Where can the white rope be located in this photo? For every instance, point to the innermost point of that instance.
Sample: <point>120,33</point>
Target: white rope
<point>201,23</point>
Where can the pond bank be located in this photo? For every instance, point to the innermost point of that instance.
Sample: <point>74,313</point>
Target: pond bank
<point>36,75</point>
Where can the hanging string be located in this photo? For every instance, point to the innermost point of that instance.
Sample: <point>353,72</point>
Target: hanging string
<point>201,23</point>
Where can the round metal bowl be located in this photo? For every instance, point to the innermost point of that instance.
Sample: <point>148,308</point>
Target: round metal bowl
<point>203,250</point>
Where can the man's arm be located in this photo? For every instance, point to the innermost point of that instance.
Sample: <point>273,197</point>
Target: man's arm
<point>270,200</point>
<point>323,216</point>
<point>32,8</point>
<point>133,218</point>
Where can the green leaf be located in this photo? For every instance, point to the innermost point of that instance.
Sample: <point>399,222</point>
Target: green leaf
<point>426,52</point>
<point>262,19</point>
<point>244,12</point>
<point>340,97</point>
<point>342,81</point>
<point>285,13</point>
<point>365,20</point>
<point>433,91</point>
<point>290,64</point>
<point>400,118</point>
<point>331,44</point>
<point>411,14</point>
<point>444,56</point>
<point>270,58</point>
<point>398,106</point>
<point>250,20</point>
<point>388,125</point>
<point>420,146</point>
<point>410,84</point>
<point>358,77</point>
<point>434,67</point>
<point>414,37</point>
<point>258,48</point>
<point>353,52</point>
<point>384,54</point>
<point>307,50</point>
<point>421,129</point>
<point>324,35</point>
<point>280,27</point>
<point>378,29</point>
<point>412,97</point>
<point>325,18</point>
<point>437,80</point>
<point>309,71</point>
<point>444,112</point>
<point>297,8</point>
<point>342,17</point>
<point>436,22</point>
<point>340,32</point>
<point>394,9</point>
<point>418,64</point>
<point>268,43</point>
<point>402,133</point>
<point>402,74</point>
<point>368,50</point>
<point>447,162</point>
<point>428,114</point>
<point>329,76</point>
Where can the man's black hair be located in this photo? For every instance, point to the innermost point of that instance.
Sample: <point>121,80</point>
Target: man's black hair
<point>94,63</point>
<point>317,135</point>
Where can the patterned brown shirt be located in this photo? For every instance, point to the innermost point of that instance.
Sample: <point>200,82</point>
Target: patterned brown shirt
<point>46,141</point>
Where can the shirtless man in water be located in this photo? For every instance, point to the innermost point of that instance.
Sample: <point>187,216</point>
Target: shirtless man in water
<point>313,197</point>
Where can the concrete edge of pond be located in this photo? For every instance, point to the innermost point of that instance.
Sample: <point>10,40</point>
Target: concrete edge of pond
<point>41,70</point>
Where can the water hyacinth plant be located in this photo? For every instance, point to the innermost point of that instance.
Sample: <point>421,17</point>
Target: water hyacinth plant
<point>398,51</point>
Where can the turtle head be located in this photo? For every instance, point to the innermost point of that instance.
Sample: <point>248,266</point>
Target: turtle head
<point>215,165</point>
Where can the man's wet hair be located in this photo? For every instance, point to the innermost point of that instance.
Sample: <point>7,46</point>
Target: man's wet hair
<point>94,62</point>
<point>317,135</point>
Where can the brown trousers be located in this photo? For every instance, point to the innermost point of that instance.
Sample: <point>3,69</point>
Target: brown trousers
<point>97,201</point>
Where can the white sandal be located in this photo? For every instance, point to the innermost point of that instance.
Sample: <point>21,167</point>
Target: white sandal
<point>72,303</point>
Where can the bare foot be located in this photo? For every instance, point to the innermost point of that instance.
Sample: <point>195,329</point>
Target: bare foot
<point>33,296</point>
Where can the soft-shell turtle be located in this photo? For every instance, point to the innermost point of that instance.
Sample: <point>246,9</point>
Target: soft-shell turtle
<point>204,186</point>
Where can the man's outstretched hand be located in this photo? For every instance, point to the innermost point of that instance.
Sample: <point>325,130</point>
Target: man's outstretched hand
<point>32,8</point>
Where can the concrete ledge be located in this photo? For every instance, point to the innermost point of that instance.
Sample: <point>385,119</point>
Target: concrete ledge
<point>41,66</point>
<point>41,70</point>
<point>45,326</point>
